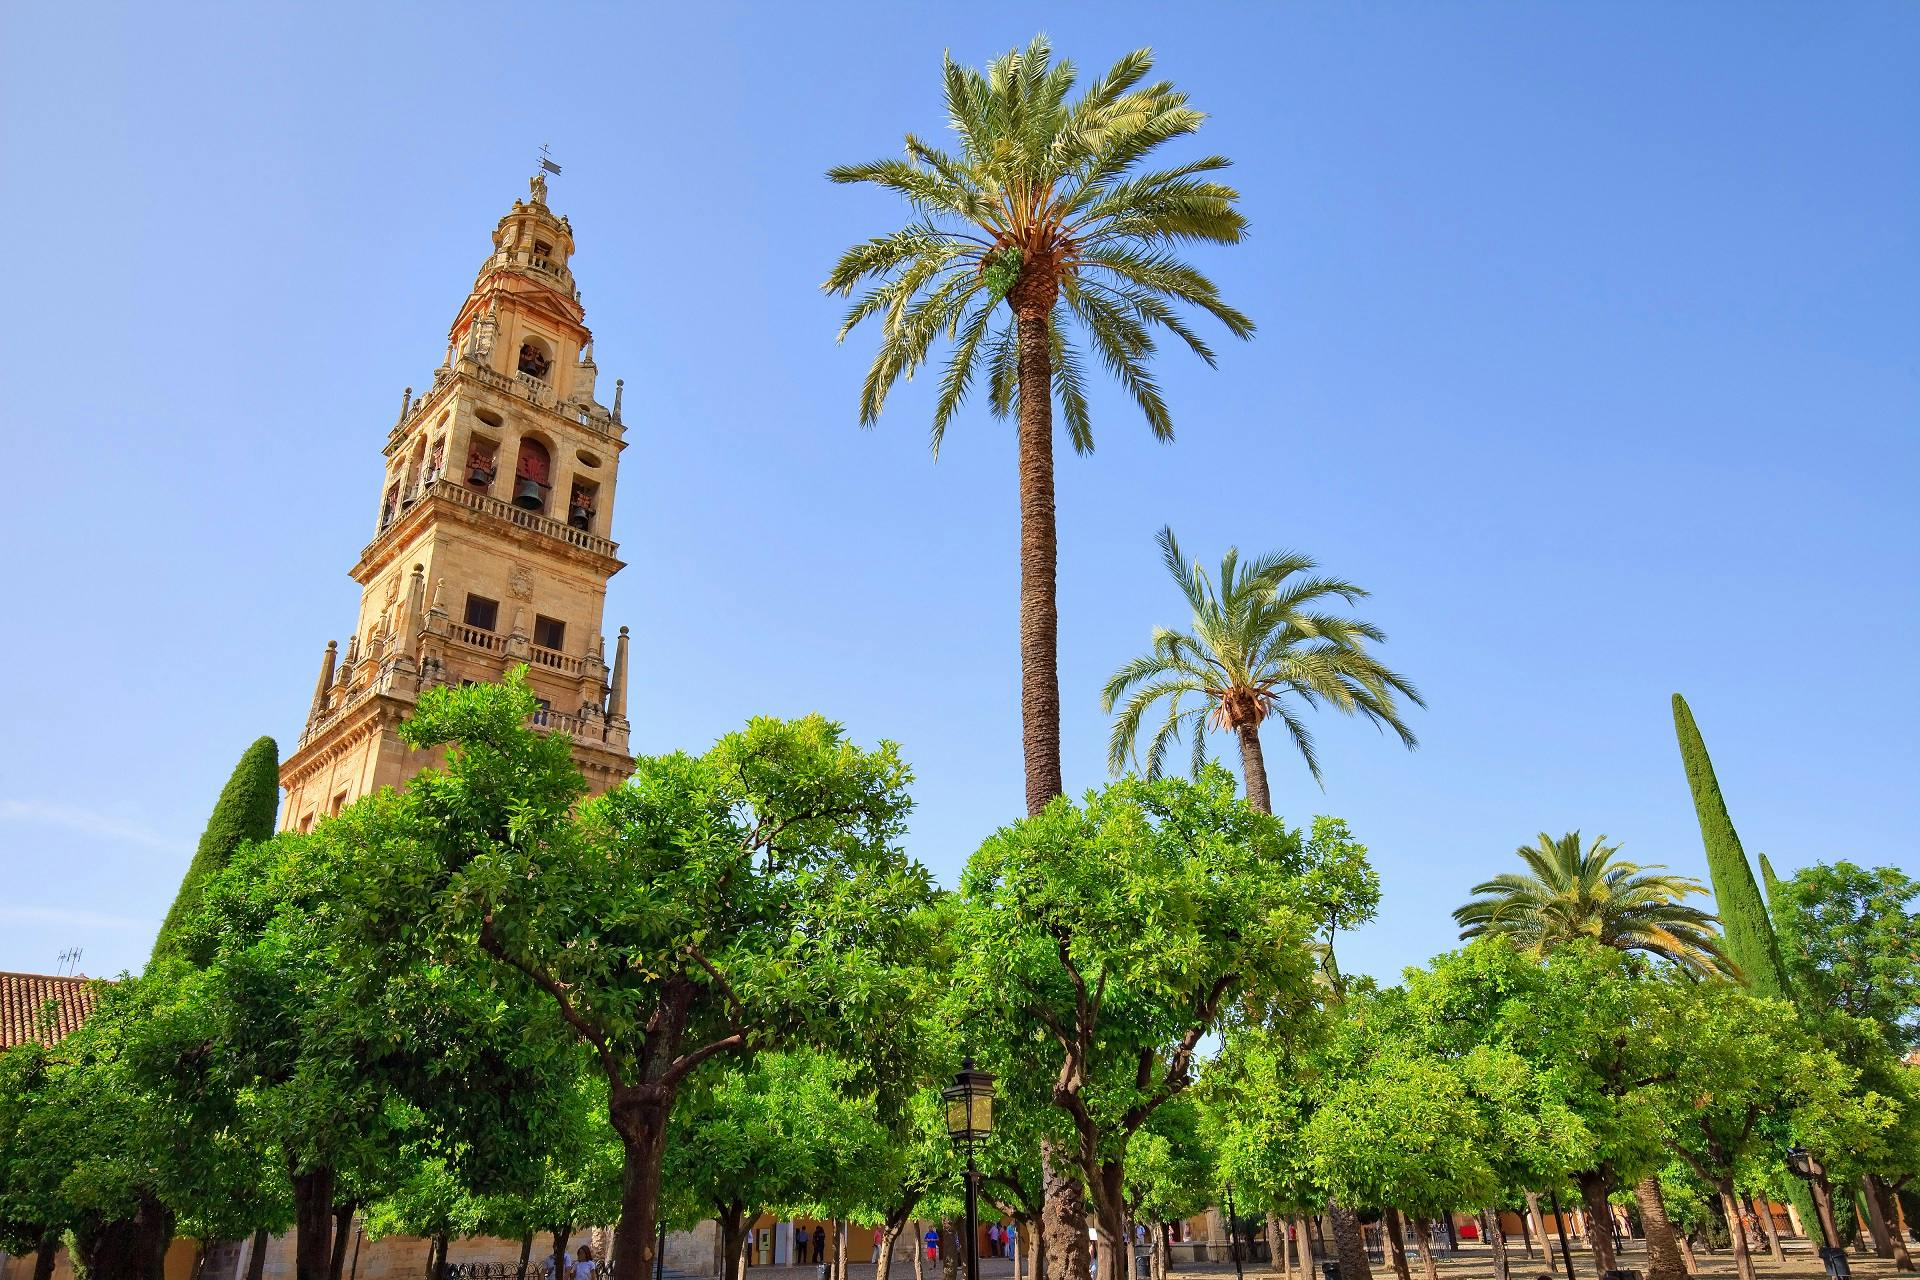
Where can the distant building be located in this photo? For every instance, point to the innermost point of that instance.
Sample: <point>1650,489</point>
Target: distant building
<point>42,1008</point>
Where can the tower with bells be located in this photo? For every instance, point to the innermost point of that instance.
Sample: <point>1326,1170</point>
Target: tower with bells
<point>492,542</point>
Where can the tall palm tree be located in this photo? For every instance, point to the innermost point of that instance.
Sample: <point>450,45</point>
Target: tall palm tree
<point>1570,891</point>
<point>1261,640</point>
<point>1573,892</point>
<point>1044,207</point>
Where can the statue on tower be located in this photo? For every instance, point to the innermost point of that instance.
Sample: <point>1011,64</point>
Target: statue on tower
<point>538,183</point>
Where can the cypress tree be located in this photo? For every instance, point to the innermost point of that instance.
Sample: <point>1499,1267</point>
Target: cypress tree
<point>244,813</point>
<point>1736,897</point>
<point>1771,883</point>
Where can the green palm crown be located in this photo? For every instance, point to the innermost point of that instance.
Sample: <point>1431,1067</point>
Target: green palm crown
<point>1044,207</point>
<point>1573,892</point>
<point>1262,641</point>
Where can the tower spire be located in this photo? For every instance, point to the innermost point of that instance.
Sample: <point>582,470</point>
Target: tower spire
<point>617,689</point>
<point>326,678</point>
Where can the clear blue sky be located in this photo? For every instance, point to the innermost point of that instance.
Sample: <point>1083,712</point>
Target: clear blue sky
<point>1587,341</point>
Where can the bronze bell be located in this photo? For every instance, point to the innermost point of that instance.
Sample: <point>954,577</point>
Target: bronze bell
<point>527,493</point>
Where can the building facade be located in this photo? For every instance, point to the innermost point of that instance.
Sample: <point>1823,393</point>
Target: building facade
<point>492,540</point>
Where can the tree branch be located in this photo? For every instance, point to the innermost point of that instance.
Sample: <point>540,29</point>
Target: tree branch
<point>491,944</point>
<point>684,1065</point>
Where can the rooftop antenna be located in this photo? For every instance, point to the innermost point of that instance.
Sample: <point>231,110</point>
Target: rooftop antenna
<point>69,962</point>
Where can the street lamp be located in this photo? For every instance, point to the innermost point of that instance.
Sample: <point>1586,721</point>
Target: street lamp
<point>970,1123</point>
<point>1802,1163</point>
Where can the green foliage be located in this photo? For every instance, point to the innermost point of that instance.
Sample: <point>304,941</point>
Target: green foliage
<point>1052,192</point>
<point>1850,937</point>
<point>244,813</point>
<point>1743,916</point>
<point>1261,641</point>
<point>1171,1172</point>
<point>1401,1131</point>
<point>1104,940</point>
<point>1571,893</point>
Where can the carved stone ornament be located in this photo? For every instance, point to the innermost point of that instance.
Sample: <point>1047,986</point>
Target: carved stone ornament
<point>520,582</point>
<point>393,588</point>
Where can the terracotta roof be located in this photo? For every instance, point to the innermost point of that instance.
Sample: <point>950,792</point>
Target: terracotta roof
<point>40,1006</point>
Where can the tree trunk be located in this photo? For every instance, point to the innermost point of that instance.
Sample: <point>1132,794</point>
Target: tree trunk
<point>840,1249</point>
<point>641,1122</point>
<point>313,1223</point>
<point>440,1243</point>
<point>1876,1221</point>
<point>1686,1251</point>
<point>1881,1201</point>
<point>1663,1246</point>
<point>1736,1231</point>
<point>1497,1241</point>
<point>1348,1244</point>
<point>1276,1244</point>
<point>560,1237</point>
<point>950,1249</point>
<point>1063,1213</point>
<point>526,1253</point>
<point>1253,764</point>
<point>1396,1235</point>
<point>1033,300</point>
<point>1540,1226</point>
<point>1453,1236</point>
<point>257,1256</point>
<point>1162,1262</point>
<point>134,1248</point>
<point>46,1255</point>
<point>1303,1247</point>
<point>1763,1214</point>
<point>342,1221</point>
<point>1599,1216</point>
<point>732,1243</point>
<point>919,1251</point>
<point>883,1258</point>
<point>1423,1240</point>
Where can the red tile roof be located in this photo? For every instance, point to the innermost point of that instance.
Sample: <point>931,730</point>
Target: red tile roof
<point>40,1006</point>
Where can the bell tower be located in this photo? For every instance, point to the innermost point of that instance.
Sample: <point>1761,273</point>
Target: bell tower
<point>492,540</point>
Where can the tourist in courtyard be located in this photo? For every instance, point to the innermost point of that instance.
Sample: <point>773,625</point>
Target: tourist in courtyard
<point>819,1243</point>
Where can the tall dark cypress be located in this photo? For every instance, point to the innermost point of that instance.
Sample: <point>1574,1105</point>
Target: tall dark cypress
<point>1736,897</point>
<point>244,812</point>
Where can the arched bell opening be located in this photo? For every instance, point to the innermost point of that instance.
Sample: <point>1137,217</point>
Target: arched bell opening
<point>532,476</point>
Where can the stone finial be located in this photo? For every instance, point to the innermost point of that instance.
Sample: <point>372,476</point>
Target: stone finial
<point>406,403</point>
<point>326,677</point>
<point>619,385</point>
<point>617,688</point>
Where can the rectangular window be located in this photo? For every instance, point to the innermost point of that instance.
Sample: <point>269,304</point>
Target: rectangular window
<point>549,633</point>
<point>339,803</point>
<point>483,613</point>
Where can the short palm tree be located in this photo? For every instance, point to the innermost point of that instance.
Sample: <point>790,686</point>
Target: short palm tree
<point>1569,891</point>
<point>1045,207</point>
<point>1261,641</point>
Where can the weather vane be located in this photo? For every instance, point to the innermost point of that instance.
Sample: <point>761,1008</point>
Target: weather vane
<point>546,161</point>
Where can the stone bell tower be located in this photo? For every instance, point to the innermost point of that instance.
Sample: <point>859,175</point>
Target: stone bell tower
<point>491,546</point>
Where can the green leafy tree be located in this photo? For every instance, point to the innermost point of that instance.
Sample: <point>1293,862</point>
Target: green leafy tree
<point>243,813</point>
<point>35,1155</point>
<point>1724,1061</point>
<point>754,897</point>
<point>1171,1173</point>
<point>1262,643</point>
<point>1048,207</point>
<point>1128,928</point>
<point>1570,891</point>
<point>1850,938</point>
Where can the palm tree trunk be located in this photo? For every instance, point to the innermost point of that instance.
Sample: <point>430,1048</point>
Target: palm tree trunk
<point>1348,1244</point>
<point>1039,554</point>
<point>1392,1226</point>
<point>1663,1246</point>
<point>1254,765</point>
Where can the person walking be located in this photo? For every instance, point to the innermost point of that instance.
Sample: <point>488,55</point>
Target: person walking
<point>932,1241</point>
<point>819,1243</point>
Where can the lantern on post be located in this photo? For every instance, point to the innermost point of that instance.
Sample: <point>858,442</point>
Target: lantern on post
<point>969,1102</point>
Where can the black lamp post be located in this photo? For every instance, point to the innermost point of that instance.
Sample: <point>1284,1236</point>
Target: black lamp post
<point>970,1123</point>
